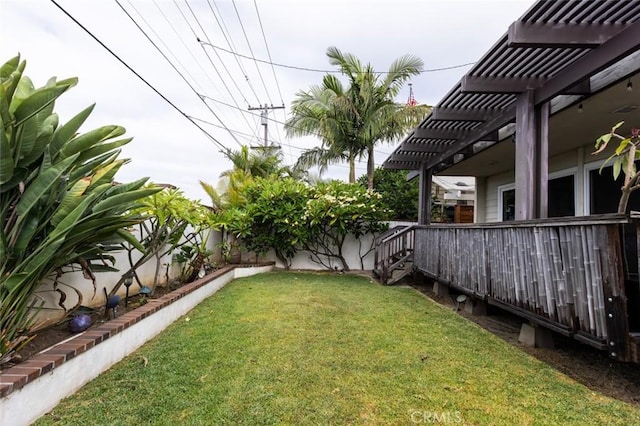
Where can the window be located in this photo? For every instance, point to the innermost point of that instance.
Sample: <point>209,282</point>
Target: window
<point>562,194</point>
<point>507,202</point>
<point>603,193</point>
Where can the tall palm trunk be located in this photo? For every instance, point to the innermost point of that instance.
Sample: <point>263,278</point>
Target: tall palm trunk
<point>352,169</point>
<point>371,167</point>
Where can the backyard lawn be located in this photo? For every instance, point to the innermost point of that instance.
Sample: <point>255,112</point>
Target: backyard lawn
<point>297,348</point>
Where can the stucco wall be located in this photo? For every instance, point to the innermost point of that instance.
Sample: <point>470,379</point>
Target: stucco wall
<point>74,289</point>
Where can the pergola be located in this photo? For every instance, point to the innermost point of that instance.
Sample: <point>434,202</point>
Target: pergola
<point>556,54</point>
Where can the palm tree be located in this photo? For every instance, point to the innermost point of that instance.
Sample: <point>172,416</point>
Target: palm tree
<point>352,122</point>
<point>319,112</point>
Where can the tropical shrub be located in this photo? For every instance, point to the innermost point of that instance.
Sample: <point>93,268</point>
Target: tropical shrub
<point>173,222</point>
<point>287,216</point>
<point>272,217</point>
<point>339,209</point>
<point>399,195</point>
<point>60,209</point>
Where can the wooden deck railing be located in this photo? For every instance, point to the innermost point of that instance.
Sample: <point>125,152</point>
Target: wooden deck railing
<point>393,249</point>
<point>565,273</point>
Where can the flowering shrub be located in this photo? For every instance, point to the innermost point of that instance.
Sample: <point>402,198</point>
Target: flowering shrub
<point>288,216</point>
<point>271,217</point>
<point>336,210</point>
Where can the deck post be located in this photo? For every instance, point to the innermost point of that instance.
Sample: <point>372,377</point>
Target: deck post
<point>542,155</point>
<point>526,157</point>
<point>424,207</point>
<point>615,299</point>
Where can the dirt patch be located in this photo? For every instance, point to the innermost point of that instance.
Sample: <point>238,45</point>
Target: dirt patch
<point>57,333</point>
<point>583,363</point>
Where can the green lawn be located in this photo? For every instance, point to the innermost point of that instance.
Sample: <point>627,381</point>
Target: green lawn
<point>299,349</point>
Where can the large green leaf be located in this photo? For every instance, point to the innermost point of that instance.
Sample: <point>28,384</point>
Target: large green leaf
<point>88,140</point>
<point>31,128</point>
<point>70,200</point>
<point>26,234</point>
<point>102,148</point>
<point>44,256</point>
<point>123,200</point>
<point>87,168</point>
<point>11,84</point>
<point>42,140</point>
<point>19,175</point>
<point>105,174</point>
<point>41,185</point>
<point>65,132</point>
<point>8,67</point>
<point>6,159</point>
<point>13,281</point>
<point>125,187</point>
<point>131,239</point>
<point>37,101</point>
<point>73,217</point>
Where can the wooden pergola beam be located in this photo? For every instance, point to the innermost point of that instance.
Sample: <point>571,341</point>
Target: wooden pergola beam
<point>499,85</point>
<point>593,62</point>
<point>462,114</point>
<point>448,134</point>
<point>566,35</point>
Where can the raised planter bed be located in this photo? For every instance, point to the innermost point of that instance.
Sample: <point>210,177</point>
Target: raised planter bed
<point>34,387</point>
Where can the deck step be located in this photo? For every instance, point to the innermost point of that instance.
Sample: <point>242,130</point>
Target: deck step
<point>400,273</point>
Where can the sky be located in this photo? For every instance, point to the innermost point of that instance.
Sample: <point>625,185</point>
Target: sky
<point>216,81</point>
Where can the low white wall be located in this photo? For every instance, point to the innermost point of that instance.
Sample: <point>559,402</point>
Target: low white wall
<point>25,405</point>
<point>351,252</point>
<point>79,290</point>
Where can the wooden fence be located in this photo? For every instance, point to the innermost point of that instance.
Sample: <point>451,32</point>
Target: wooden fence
<point>565,273</point>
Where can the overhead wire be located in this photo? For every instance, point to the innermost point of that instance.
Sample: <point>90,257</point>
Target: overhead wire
<point>164,44</point>
<point>326,71</point>
<point>187,48</point>
<point>229,40</point>
<point>174,67</point>
<point>251,51</point>
<point>209,57</point>
<point>275,77</point>
<point>270,119</point>
<point>167,100</point>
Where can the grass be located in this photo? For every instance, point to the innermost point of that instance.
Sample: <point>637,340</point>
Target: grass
<point>289,348</point>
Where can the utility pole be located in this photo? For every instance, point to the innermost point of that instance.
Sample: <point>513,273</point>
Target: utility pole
<point>264,113</point>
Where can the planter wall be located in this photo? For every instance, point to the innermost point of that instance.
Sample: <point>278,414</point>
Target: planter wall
<point>34,387</point>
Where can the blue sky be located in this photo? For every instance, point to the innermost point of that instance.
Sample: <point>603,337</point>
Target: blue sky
<point>166,146</point>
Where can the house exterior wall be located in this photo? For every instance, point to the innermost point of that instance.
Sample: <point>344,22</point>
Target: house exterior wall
<point>578,162</point>
<point>491,195</point>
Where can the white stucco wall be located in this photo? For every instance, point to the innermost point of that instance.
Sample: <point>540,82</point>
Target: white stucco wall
<point>79,290</point>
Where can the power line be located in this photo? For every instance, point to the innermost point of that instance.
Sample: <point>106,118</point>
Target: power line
<point>266,45</point>
<point>184,44</point>
<point>209,58</point>
<point>174,67</point>
<point>214,140</point>
<point>299,68</point>
<point>251,51</point>
<point>229,40</point>
<point>270,119</point>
